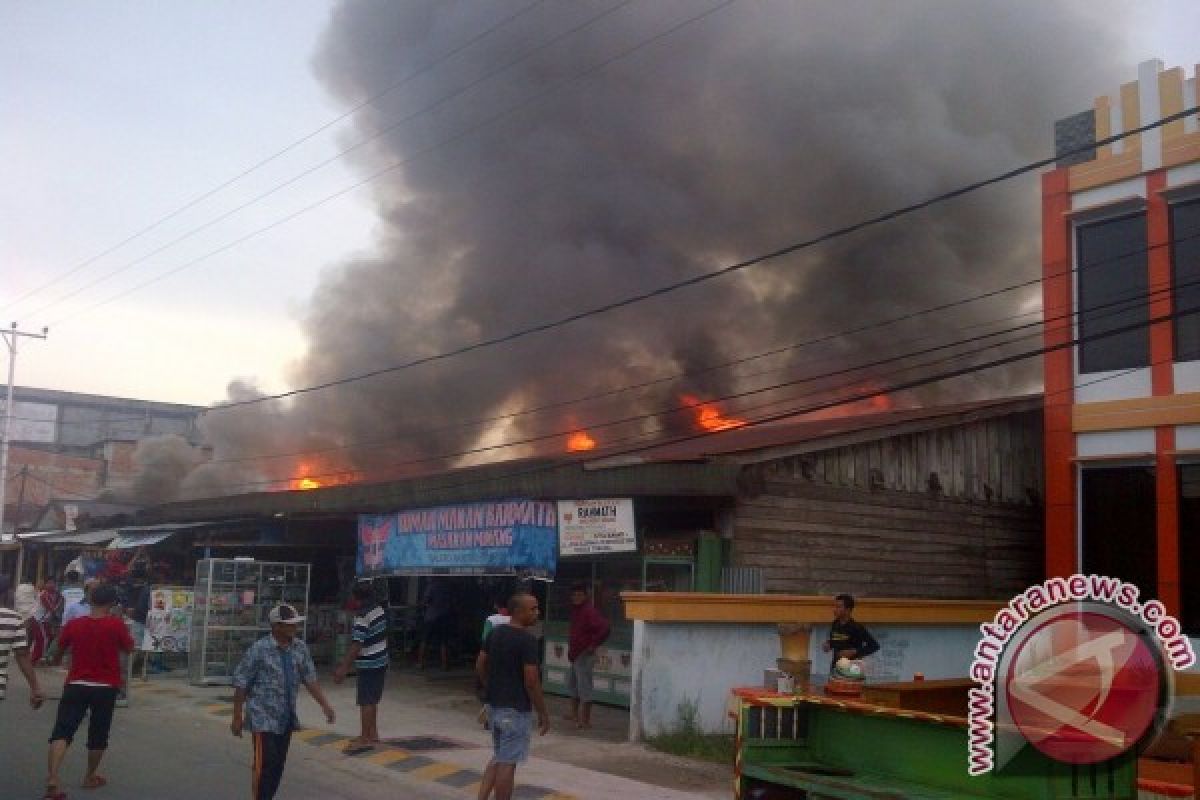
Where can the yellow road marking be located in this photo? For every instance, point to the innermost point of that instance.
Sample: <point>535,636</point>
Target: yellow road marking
<point>435,770</point>
<point>308,733</point>
<point>217,707</point>
<point>387,757</point>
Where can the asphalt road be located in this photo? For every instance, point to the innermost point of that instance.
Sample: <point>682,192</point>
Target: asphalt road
<point>165,749</point>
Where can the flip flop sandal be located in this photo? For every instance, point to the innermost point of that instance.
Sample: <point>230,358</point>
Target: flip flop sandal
<point>95,782</point>
<point>358,749</point>
<point>54,794</point>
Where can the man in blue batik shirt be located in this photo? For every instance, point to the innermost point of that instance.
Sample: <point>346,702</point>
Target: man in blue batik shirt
<point>266,683</point>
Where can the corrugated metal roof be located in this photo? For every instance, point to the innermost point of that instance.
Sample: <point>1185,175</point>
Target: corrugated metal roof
<point>704,466</point>
<point>759,443</point>
<point>532,478</point>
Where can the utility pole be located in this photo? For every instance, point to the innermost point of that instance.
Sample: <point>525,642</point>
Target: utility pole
<point>11,337</point>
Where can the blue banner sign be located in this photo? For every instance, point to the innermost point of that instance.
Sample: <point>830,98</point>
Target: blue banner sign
<point>506,537</point>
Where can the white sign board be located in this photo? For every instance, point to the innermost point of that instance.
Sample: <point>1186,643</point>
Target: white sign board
<point>590,527</point>
<point>33,422</point>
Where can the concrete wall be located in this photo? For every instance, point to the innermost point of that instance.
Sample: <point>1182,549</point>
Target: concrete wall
<point>678,663</point>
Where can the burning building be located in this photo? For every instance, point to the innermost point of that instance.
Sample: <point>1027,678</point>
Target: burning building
<point>935,505</point>
<point>528,163</point>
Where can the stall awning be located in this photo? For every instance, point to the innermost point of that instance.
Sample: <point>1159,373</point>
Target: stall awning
<point>125,540</point>
<point>81,538</point>
<point>141,535</point>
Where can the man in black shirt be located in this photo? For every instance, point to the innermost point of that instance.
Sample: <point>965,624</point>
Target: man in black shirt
<point>847,638</point>
<point>508,668</point>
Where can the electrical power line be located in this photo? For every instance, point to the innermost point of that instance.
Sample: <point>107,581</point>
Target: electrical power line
<point>274,156</point>
<point>670,288</point>
<point>788,413</point>
<point>38,479</point>
<point>608,454</point>
<point>379,173</point>
<point>336,157</point>
<point>1124,299</point>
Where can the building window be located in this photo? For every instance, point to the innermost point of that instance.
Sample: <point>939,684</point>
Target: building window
<point>1189,547</point>
<point>1119,527</point>
<point>1112,278</point>
<point>1185,260</point>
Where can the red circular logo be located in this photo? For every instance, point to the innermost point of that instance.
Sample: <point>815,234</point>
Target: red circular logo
<point>1083,687</point>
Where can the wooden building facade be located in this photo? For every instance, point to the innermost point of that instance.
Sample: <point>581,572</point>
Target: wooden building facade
<point>941,503</point>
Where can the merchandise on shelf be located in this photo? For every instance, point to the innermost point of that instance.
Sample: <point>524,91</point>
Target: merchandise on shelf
<point>233,598</point>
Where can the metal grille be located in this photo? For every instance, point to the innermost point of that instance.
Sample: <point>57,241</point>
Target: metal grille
<point>741,580</point>
<point>777,723</point>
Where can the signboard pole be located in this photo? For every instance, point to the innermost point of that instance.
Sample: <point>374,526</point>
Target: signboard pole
<point>11,338</point>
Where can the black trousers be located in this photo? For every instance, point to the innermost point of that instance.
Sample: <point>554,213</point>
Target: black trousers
<point>94,702</point>
<point>270,755</point>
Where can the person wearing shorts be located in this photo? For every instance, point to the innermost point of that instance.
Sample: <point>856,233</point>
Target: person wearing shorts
<point>369,654</point>
<point>438,628</point>
<point>508,668</point>
<point>96,642</point>
<point>588,630</point>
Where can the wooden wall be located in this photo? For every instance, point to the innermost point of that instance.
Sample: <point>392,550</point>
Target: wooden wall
<point>869,520</point>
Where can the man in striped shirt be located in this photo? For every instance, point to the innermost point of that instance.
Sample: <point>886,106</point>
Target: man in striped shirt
<point>14,646</point>
<point>369,654</point>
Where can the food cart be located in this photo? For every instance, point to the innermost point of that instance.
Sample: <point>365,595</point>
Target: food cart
<point>799,747</point>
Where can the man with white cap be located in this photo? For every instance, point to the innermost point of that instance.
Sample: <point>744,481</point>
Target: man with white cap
<point>266,683</point>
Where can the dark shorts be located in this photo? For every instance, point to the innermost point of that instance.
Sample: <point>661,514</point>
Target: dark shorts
<point>370,686</point>
<point>95,702</point>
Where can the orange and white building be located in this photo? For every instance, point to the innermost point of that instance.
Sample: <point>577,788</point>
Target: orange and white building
<point>1121,268</point>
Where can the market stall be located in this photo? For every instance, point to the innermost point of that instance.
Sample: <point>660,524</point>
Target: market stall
<point>613,546</point>
<point>472,550</point>
<point>232,600</point>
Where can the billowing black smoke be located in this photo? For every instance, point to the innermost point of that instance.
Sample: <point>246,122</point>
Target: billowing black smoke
<point>758,125</point>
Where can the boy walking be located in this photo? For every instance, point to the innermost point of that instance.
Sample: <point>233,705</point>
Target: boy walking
<point>96,642</point>
<point>266,683</point>
<point>508,668</point>
<point>369,654</point>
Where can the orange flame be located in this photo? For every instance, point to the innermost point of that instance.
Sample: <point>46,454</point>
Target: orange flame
<point>709,416</point>
<point>868,405</point>
<point>307,483</point>
<point>580,441</point>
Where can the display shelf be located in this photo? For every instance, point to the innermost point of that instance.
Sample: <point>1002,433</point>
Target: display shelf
<point>233,599</point>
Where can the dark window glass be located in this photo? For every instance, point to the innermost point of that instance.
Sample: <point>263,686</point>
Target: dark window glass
<point>1185,259</point>
<point>1189,547</point>
<point>1120,538</point>
<point>1112,278</point>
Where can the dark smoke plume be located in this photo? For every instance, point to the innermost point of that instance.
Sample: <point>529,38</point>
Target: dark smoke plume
<point>759,125</point>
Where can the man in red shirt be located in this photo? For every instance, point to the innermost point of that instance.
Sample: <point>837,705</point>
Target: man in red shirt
<point>96,642</point>
<point>588,631</point>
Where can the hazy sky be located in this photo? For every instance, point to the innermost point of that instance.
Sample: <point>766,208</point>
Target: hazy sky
<point>116,114</point>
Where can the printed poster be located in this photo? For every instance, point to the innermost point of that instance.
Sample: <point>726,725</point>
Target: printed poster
<point>169,621</point>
